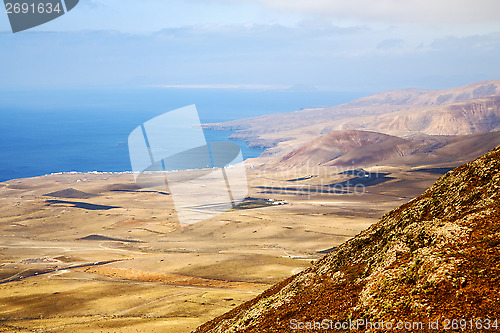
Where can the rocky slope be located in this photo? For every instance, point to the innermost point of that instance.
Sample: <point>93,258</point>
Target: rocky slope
<point>480,115</point>
<point>436,257</point>
<point>365,148</point>
<point>471,109</point>
<point>376,104</point>
<point>419,97</point>
<point>333,145</point>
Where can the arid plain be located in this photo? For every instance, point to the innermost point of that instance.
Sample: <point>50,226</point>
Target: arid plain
<point>163,276</point>
<point>97,252</point>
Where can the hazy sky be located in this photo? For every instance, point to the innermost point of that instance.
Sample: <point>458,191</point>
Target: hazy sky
<point>366,45</point>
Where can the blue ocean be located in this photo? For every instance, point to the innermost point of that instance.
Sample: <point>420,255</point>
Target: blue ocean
<point>49,131</point>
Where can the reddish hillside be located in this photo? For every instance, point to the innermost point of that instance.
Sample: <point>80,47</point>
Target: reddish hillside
<point>473,116</point>
<point>363,148</point>
<point>419,97</point>
<point>377,104</point>
<point>333,145</point>
<point>435,258</point>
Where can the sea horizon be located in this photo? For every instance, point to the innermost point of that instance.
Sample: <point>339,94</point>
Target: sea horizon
<point>86,130</point>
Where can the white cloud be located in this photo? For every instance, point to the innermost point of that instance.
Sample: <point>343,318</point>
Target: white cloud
<point>252,57</point>
<point>437,11</point>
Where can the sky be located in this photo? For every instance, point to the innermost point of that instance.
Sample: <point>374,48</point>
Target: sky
<point>356,45</point>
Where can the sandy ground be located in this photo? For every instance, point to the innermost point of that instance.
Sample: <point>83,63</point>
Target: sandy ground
<point>168,278</point>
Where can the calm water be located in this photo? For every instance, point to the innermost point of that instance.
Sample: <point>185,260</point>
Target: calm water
<point>43,132</point>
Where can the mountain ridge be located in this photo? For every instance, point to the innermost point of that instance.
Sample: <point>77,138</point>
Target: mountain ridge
<point>470,109</point>
<point>354,148</point>
<point>403,98</point>
<point>426,97</point>
<point>434,257</point>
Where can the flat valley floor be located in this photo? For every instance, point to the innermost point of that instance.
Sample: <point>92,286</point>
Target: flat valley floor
<point>97,253</point>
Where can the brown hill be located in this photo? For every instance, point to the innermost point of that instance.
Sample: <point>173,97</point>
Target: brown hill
<point>473,116</point>
<point>71,193</point>
<point>470,117</point>
<point>364,148</point>
<point>376,104</point>
<point>470,109</point>
<point>331,146</point>
<point>418,97</point>
<point>443,150</point>
<point>434,258</point>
